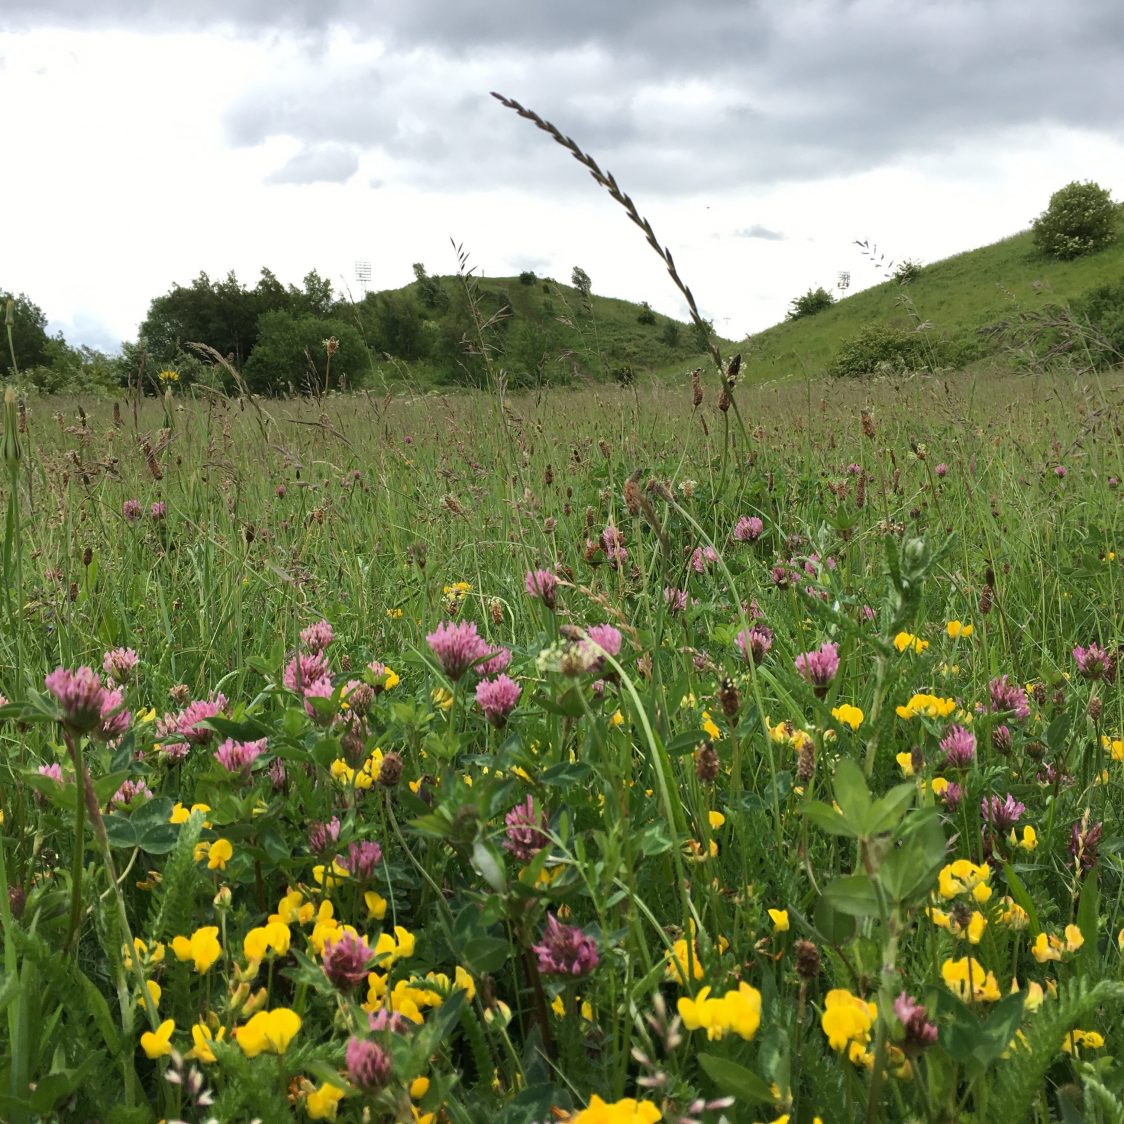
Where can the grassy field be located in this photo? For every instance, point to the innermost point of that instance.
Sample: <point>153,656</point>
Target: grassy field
<point>602,755</point>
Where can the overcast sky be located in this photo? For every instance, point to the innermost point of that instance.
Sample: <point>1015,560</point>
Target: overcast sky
<point>145,142</point>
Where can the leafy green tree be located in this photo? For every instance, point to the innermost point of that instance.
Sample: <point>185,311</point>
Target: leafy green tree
<point>223,315</point>
<point>29,334</point>
<point>645,315</point>
<point>1080,219</point>
<point>581,281</point>
<point>813,301</point>
<point>291,351</point>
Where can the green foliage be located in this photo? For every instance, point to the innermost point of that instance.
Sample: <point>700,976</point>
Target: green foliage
<point>907,271</point>
<point>580,280</point>
<point>173,905</point>
<point>291,352</point>
<point>811,302</point>
<point>1080,219</point>
<point>879,348</point>
<point>645,315</point>
<point>1103,308</point>
<point>527,277</point>
<point>29,333</point>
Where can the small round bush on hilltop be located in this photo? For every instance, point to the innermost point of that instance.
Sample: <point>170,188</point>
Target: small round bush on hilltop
<point>813,301</point>
<point>1081,219</point>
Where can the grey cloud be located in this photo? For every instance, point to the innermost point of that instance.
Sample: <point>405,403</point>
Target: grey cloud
<point>674,96</point>
<point>318,163</point>
<point>759,231</point>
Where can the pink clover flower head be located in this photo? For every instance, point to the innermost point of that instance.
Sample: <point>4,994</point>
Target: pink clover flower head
<point>185,728</point>
<point>497,698</point>
<point>702,558</point>
<point>317,636</point>
<point>368,1064</point>
<point>1084,841</point>
<point>952,796</point>
<point>525,831</point>
<point>1008,697</point>
<point>321,689</point>
<point>1061,472</point>
<point>675,599</point>
<point>494,664</point>
<point>54,771</point>
<point>277,774</point>
<point>128,792</point>
<point>565,950</point>
<point>115,719</point>
<point>119,664</point>
<point>542,584</point>
<point>941,470</point>
<point>132,510</point>
<point>959,747</point>
<point>1094,662</point>
<point>158,510</point>
<point>347,961</point>
<point>819,667</point>
<point>919,1031</point>
<point>304,669</point>
<point>457,646</point>
<point>321,836</point>
<point>80,694</point>
<point>754,643</point>
<point>361,859</point>
<point>748,528</point>
<point>1001,814</point>
<point>855,469</point>
<point>393,1021</point>
<point>379,672</point>
<point>239,757</point>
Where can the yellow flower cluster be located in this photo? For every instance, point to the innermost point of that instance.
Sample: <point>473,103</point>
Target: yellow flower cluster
<point>678,957</point>
<point>364,777</point>
<point>967,979</point>
<point>784,733</point>
<point>847,1021</point>
<point>202,947</point>
<point>964,877</point>
<point>180,814</point>
<point>217,854</point>
<point>1114,746</point>
<point>905,640</point>
<point>268,1032</point>
<point>626,1111</point>
<point>848,715</point>
<point>1048,947</point>
<point>958,631</point>
<point>738,1012</point>
<point>927,706</point>
<point>1078,1038</point>
<point>411,997</point>
<point>973,928</point>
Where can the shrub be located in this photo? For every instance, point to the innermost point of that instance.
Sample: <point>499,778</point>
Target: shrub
<point>646,315</point>
<point>527,277</point>
<point>906,271</point>
<point>1103,308</point>
<point>813,301</point>
<point>879,347</point>
<point>1080,219</point>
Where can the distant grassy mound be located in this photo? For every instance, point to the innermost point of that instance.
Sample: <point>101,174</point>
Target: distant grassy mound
<point>538,331</point>
<point>947,310</point>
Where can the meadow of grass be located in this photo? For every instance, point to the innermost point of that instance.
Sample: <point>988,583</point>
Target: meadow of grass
<point>565,757</point>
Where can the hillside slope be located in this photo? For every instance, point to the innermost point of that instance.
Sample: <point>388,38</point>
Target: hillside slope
<point>955,298</point>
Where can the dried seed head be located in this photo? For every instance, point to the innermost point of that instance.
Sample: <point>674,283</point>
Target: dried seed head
<point>729,699</point>
<point>706,762</point>
<point>987,599</point>
<point>696,387</point>
<point>806,761</point>
<point>390,771</point>
<point>1094,708</point>
<point>807,960</point>
<point>867,424</point>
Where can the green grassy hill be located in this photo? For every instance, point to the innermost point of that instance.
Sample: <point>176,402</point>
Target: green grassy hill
<point>956,298</point>
<point>539,331</point>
